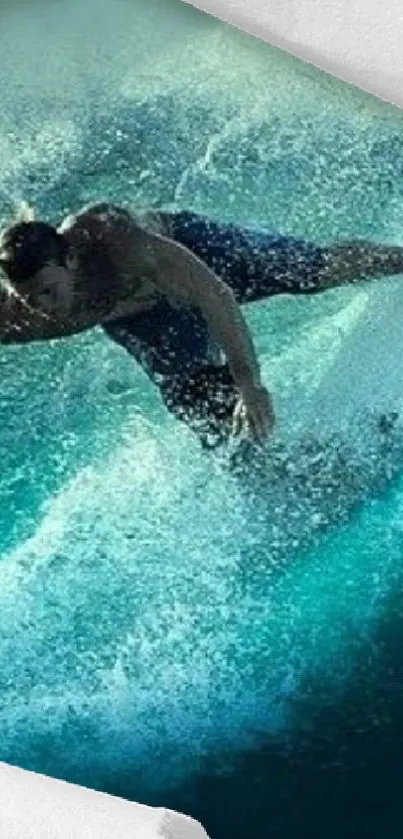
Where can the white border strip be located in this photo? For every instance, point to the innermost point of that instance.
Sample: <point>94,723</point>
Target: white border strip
<point>33,806</point>
<point>359,41</point>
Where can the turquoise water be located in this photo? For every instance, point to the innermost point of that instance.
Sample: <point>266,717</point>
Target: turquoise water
<point>159,624</point>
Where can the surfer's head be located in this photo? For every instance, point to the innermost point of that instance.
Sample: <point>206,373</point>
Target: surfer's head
<point>33,257</point>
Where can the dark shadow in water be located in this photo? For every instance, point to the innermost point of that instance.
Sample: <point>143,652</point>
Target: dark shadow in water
<point>340,775</point>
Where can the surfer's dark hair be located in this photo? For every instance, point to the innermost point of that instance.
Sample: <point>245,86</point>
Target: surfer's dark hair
<point>27,246</point>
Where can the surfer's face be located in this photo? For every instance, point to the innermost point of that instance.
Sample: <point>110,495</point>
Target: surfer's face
<point>51,290</point>
<point>35,259</point>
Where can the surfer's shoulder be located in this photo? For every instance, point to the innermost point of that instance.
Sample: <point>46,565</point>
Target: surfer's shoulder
<point>95,216</point>
<point>114,234</point>
<point>97,220</point>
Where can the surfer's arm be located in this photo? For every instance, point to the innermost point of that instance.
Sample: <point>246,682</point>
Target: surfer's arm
<point>356,261</point>
<point>186,280</point>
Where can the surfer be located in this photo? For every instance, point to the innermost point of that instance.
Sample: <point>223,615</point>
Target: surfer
<point>168,287</point>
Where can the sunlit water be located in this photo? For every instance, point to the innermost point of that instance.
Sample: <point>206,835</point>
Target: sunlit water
<point>156,612</point>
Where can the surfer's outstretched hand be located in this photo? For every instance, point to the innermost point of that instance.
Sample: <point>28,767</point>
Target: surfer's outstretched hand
<point>255,412</point>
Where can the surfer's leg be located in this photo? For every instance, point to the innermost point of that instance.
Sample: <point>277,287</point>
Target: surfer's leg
<point>172,346</point>
<point>357,261</point>
<point>256,264</point>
